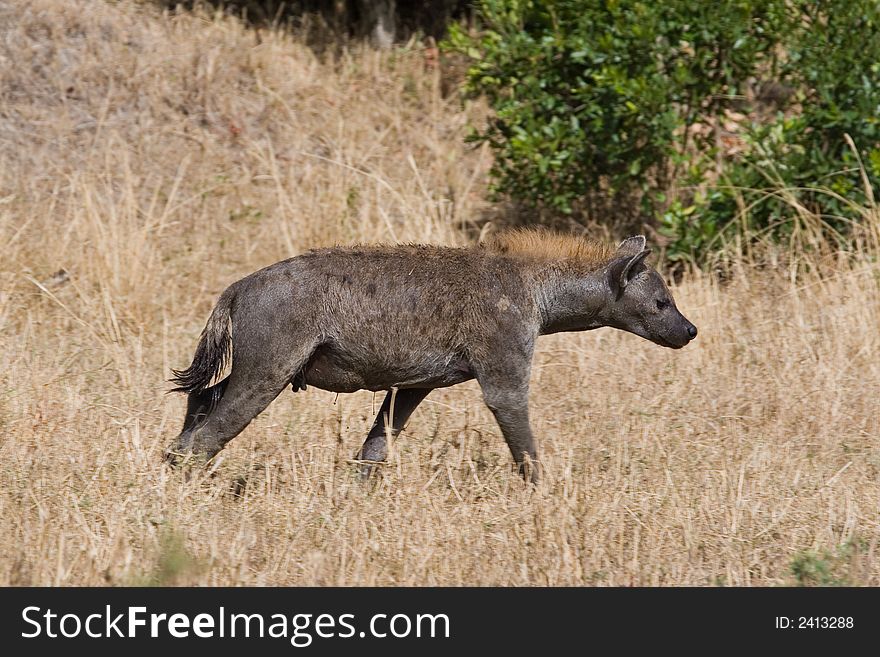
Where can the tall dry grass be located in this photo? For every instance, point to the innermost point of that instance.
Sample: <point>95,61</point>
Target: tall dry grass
<point>147,161</point>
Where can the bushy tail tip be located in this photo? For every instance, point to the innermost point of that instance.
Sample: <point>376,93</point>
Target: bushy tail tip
<point>212,353</point>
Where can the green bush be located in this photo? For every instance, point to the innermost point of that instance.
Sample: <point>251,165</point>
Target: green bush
<point>594,101</point>
<point>590,95</point>
<point>818,158</point>
<point>842,566</point>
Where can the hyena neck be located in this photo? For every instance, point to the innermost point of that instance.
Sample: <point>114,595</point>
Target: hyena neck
<point>570,299</point>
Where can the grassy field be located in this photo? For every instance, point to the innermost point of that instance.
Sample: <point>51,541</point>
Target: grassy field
<point>147,161</point>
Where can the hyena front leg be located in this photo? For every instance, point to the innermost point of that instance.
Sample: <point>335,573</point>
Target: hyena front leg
<point>405,402</point>
<point>506,392</point>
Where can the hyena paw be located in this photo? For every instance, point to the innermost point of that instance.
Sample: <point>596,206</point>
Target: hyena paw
<point>372,455</point>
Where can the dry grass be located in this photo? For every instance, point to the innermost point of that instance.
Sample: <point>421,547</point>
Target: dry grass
<point>157,159</point>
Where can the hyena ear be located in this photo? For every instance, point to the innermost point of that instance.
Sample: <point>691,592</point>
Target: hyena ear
<point>632,245</point>
<point>624,268</point>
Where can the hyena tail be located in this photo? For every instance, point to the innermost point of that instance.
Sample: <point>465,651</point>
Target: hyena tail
<point>213,351</point>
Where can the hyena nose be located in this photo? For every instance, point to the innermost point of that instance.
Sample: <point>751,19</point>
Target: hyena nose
<point>692,331</point>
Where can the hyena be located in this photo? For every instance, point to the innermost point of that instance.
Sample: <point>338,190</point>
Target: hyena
<point>411,318</point>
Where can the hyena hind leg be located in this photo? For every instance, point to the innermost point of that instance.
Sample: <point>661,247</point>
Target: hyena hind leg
<point>375,448</point>
<point>198,407</point>
<point>245,393</point>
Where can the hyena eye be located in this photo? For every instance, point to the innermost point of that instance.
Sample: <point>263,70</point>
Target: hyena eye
<point>661,304</point>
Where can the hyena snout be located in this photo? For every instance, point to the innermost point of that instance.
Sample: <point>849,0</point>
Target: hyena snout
<point>679,334</point>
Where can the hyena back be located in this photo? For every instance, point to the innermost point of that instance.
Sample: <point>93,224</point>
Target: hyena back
<point>408,319</point>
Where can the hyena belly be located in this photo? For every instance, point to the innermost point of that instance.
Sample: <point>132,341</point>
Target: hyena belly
<point>336,368</point>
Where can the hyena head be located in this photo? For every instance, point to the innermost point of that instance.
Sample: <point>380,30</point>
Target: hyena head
<point>639,300</point>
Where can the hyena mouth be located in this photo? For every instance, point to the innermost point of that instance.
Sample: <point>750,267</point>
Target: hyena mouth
<point>672,345</point>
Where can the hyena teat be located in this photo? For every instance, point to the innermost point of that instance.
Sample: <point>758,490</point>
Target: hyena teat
<point>407,319</point>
